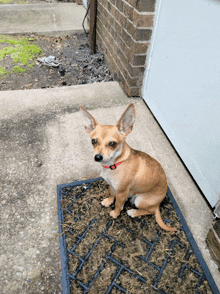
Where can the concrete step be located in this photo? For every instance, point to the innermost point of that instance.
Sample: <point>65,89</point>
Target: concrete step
<point>51,19</point>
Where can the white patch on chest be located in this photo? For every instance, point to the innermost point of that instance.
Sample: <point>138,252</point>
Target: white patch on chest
<point>113,179</point>
<point>110,177</point>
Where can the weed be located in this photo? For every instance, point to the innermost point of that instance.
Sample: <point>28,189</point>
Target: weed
<point>5,1</point>
<point>31,65</point>
<point>2,71</point>
<point>17,69</point>
<point>9,1</point>
<point>22,51</point>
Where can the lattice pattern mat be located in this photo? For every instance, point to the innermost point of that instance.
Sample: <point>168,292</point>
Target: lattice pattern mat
<point>102,255</point>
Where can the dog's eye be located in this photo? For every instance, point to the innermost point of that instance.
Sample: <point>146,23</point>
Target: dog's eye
<point>94,142</point>
<point>112,144</point>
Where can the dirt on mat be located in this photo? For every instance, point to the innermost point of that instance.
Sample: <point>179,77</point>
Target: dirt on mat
<point>76,64</point>
<point>134,238</point>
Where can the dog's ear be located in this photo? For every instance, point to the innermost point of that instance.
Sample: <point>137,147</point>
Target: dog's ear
<point>90,123</point>
<point>125,123</point>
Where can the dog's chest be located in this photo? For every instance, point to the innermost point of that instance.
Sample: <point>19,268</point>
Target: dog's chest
<point>111,177</point>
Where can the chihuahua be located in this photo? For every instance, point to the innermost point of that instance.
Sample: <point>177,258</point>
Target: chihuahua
<point>129,173</point>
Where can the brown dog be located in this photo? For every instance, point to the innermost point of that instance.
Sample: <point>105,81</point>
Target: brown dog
<point>130,173</point>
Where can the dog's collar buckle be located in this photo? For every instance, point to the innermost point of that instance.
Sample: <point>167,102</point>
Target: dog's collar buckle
<point>113,166</point>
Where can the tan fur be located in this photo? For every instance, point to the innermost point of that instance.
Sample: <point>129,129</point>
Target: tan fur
<point>139,176</point>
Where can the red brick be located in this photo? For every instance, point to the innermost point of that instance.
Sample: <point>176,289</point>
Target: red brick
<point>121,55</point>
<point>132,2</point>
<point>139,47</point>
<point>135,71</point>
<point>100,19</point>
<point>139,60</point>
<point>111,19</point>
<point>131,29</point>
<point>100,9</point>
<point>121,19</point>
<point>132,81</point>
<point>118,28</point>
<point>128,11</point>
<point>120,5</point>
<point>143,20</point>
<point>132,91</point>
<point>122,39</point>
<point>112,31</point>
<point>116,13</point>
<point>107,25</point>
<point>128,53</point>
<point>143,5</point>
<point>126,37</point>
<point>105,3</point>
<point>110,7</point>
<point>142,34</point>
<point>104,12</point>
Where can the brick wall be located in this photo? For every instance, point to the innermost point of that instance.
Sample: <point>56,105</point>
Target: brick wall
<point>124,29</point>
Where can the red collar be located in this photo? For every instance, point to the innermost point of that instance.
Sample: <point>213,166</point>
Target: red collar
<point>114,166</point>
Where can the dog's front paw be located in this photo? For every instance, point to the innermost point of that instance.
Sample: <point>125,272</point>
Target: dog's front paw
<point>114,214</point>
<point>107,202</point>
<point>131,212</point>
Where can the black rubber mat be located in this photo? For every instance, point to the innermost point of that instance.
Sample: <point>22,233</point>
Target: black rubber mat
<point>67,277</point>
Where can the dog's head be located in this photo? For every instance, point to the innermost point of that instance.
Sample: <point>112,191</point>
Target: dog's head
<point>108,140</point>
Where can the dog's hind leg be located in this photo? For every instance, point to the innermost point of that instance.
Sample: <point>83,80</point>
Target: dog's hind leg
<point>149,205</point>
<point>145,208</point>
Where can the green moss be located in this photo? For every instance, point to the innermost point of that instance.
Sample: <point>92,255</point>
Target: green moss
<point>5,1</point>
<point>17,69</point>
<point>9,1</point>
<point>22,51</point>
<point>2,71</point>
<point>31,65</point>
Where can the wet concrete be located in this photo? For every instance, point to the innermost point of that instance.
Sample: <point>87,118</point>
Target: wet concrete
<point>44,144</point>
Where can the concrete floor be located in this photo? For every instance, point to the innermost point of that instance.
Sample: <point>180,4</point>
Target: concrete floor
<point>43,144</point>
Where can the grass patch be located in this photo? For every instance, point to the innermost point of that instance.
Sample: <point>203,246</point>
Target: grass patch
<point>21,50</point>
<point>10,1</point>
<point>2,71</point>
<point>17,69</point>
<point>5,1</point>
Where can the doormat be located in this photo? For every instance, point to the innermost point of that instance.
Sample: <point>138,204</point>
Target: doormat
<point>125,255</point>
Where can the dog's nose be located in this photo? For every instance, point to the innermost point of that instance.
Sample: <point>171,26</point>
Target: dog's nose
<point>98,157</point>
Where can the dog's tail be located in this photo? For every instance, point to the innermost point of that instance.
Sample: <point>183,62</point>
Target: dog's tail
<point>161,223</point>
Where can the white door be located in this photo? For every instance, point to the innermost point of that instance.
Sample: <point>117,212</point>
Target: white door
<point>182,85</point>
<point>85,3</point>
